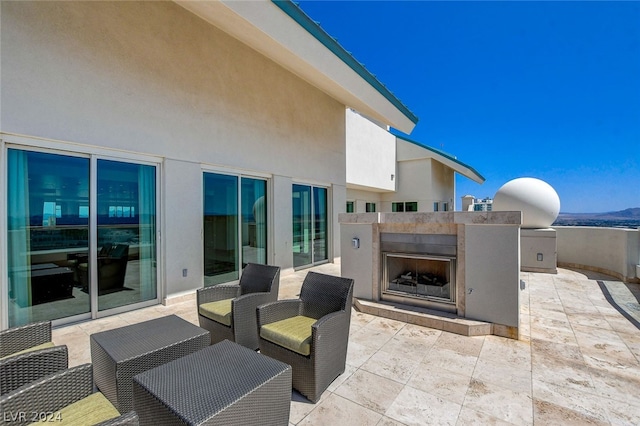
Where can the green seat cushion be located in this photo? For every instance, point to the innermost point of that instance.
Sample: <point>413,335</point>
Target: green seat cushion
<point>93,409</point>
<point>292,333</point>
<point>218,311</point>
<point>31,349</point>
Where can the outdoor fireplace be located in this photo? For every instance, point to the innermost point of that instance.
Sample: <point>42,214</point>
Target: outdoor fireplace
<point>454,271</point>
<point>419,269</point>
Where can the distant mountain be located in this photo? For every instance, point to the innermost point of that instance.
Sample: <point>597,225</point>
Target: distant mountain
<point>632,213</point>
<point>627,218</point>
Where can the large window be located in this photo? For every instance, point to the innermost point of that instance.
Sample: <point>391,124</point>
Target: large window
<point>235,233</point>
<point>52,271</point>
<point>310,225</point>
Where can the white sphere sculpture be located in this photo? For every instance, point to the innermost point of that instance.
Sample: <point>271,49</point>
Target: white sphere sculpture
<point>537,200</point>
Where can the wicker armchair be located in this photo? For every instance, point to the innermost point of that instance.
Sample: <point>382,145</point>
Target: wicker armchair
<point>21,338</point>
<point>228,311</point>
<point>311,333</point>
<point>28,354</point>
<point>66,395</point>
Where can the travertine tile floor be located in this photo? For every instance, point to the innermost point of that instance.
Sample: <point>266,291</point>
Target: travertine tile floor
<point>578,362</point>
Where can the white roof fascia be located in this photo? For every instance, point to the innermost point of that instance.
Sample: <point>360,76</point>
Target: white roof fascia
<point>266,28</point>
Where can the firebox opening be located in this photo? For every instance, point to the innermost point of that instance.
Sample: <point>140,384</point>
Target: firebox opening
<point>419,270</point>
<point>419,276</point>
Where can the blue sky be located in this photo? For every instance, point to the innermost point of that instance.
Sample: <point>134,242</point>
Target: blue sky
<point>540,89</point>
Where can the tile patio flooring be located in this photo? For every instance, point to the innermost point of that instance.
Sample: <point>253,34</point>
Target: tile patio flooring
<point>578,362</point>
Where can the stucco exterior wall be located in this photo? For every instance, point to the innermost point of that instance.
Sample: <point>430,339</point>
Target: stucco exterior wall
<point>361,198</point>
<point>371,154</point>
<point>609,250</point>
<point>425,181</point>
<point>283,238</point>
<point>152,78</point>
<point>413,183</point>
<point>182,230</point>
<point>442,183</point>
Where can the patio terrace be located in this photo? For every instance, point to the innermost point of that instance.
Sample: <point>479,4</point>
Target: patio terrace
<point>577,362</point>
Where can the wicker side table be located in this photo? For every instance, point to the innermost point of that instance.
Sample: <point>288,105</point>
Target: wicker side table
<point>224,384</point>
<point>119,354</point>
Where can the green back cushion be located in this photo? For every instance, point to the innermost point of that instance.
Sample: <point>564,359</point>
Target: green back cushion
<point>292,333</point>
<point>33,348</point>
<point>218,311</point>
<point>93,409</point>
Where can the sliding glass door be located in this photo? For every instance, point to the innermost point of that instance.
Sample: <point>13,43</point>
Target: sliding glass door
<point>235,225</point>
<point>320,240</point>
<point>302,231</point>
<point>52,219</point>
<point>254,221</point>
<point>220,228</point>
<point>48,227</point>
<point>126,243</point>
<point>310,237</point>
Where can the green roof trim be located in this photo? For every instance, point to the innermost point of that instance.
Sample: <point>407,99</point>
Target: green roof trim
<point>297,14</point>
<point>444,154</point>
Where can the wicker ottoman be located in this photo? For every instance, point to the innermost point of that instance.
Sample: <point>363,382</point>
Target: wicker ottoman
<point>119,354</point>
<point>224,384</point>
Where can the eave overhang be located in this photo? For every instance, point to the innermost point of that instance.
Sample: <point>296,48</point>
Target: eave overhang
<point>444,158</point>
<point>281,31</point>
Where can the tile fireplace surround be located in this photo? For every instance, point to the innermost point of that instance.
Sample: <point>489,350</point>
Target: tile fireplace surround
<point>487,267</point>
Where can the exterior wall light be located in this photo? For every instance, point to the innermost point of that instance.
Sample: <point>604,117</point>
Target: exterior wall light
<point>355,243</point>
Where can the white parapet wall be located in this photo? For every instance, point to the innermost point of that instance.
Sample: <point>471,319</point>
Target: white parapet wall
<point>613,251</point>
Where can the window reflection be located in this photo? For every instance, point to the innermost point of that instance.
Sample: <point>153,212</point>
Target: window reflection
<point>46,233</point>
<point>254,221</point>
<point>126,243</point>
<point>49,262</point>
<point>220,228</point>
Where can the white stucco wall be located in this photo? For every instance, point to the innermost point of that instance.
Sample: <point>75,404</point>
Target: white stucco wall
<point>282,213</point>
<point>151,75</point>
<point>424,180</point>
<point>609,250</point>
<point>182,226</point>
<point>370,154</point>
<point>361,198</point>
<point>152,78</point>
<point>442,183</point>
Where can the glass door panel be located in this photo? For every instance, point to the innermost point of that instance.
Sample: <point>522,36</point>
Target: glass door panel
<point>126,240</point>
<point>220,228</point>
<point>48,234</point>
<point>253,194</point>
<point>320,241</point>
<point>302,229</point>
